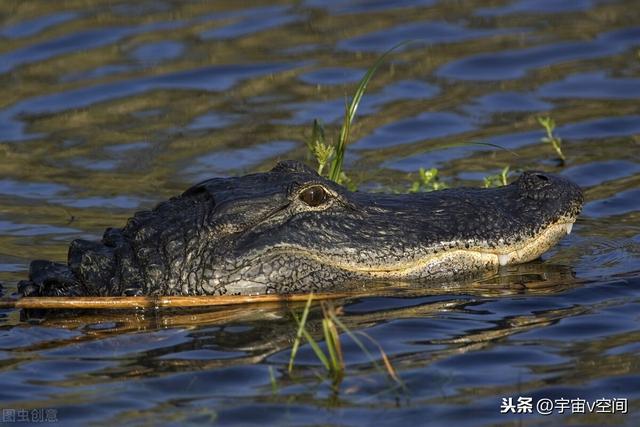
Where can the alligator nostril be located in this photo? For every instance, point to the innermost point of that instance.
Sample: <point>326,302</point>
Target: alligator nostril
<point>542,177</point>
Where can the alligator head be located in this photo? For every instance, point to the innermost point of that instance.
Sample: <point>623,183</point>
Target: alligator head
<point>290,230</point>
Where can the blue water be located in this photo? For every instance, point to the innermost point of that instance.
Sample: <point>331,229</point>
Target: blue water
<point>111,107</point>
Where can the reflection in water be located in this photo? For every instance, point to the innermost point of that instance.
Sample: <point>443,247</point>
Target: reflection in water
<point>477,329</point>
<point>201,339</point>
<point>111,107</point>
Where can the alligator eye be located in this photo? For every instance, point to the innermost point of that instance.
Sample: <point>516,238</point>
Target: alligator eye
<point>542,177</point>
<point>314,196</point>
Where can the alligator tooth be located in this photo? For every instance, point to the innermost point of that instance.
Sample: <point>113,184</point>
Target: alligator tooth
<point>503,259</point>
<point>569,227</point>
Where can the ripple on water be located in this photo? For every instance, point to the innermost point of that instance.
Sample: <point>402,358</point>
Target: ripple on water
<point>257,414</point>
<point>618,204</point>
<point>20,337</point>
<point>97,73</point>
<point>506,102</point>
<point>11,267</point>
<point>94,164</point>
<point>631,349</point>
<point>584,327</point>
<point>213,120</point>
<point>331,111</point>
<point>31,27</point>
<point>213,78</point>
<point>123,345</point>
<point>426,333</point>
<point>226,382</point>
<point>374,304</point>
<point>15,389</point>
<point>11,228</point>
<point>596,173</point>
<point>422,127</point>
<point>125,148</point>
<point>498,365</point>
<point>613,257</point>
<point>54,370</point>
<point>538,7</point>
<point>601,128</point>
<point>222,162</point>
<point>252,21</point>
<point>425,32</point>
<point>202,354</point>
<point>583,130</point>
<point>523,306</point>
<point>332,76</point>
<point>82,40</point>
<point>115,202</point>
<point>514,64</point>
<point>351,6</point>
<point>140,8</point>
<point>433,159</point>
<point>31,190</point>
<point>153,53</point>
<point>593,85</point>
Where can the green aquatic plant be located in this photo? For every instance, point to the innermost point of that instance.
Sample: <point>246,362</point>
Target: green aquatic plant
<point>428,180</point>
<point>331,156</point>
<point>322,152</point>
<point>273,381</point>
<point>499,179</point>
<point>549,126</point>
<point>333,359</point>
<point>301,330</point>
<point>390,370</point>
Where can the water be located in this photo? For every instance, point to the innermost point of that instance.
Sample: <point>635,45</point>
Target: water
<point>110,107</point>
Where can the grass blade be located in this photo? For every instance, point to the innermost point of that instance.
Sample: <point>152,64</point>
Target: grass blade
<point>273,381</point>
<point>385,359</point>
<point>387,363</point>
<point>301,329</point>
<point>332,339</point>
<point>328,339</point>
<point>488,144</point>
<point>350,113</point>
<point>316,349</point>
<point>388,366</point>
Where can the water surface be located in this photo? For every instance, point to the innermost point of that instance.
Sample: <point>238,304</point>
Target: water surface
<point>111,107</point>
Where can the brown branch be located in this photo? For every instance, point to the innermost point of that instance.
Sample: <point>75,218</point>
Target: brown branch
<point>155,302</point>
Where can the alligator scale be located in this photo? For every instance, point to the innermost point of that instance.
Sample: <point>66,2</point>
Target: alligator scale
<point>290,230</point>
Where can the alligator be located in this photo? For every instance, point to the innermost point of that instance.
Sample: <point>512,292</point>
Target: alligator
<point>291,230</point>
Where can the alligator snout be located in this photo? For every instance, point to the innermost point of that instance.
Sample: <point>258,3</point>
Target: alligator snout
<point>560,199</point>
<point>545,186</point>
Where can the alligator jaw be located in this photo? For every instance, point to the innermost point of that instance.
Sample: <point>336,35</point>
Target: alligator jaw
<point>537,246</point>
<point>440,264</point>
